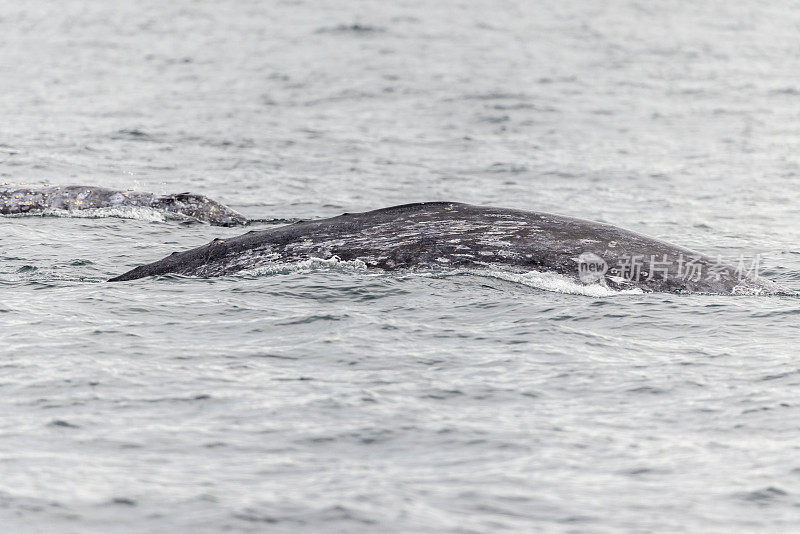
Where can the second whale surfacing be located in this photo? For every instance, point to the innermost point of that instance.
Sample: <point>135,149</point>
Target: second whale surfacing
<point>449,235</point>
<point>24,199</point>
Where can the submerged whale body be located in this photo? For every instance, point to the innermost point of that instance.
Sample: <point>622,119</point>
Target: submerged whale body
<point>451,235</point>
<point>53,199</point>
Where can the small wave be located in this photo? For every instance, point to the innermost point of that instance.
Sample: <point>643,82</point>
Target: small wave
<point>352,28</point>
<point>132,133</point>
<point>763,496</point>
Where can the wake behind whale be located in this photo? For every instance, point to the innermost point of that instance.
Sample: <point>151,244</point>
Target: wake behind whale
<point>449,235</point>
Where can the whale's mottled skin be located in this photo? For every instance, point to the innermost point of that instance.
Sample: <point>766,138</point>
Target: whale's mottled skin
<point>23,199</point>
<point>452,235</point>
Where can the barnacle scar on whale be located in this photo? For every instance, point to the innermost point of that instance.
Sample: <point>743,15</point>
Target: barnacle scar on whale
<point>435,235</point>
<point>24,199</point>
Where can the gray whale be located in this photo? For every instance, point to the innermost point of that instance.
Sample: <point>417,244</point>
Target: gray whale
<point>451,235</point>
<point>23,199</point>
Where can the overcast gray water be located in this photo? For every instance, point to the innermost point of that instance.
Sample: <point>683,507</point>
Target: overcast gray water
<point>327,398</point>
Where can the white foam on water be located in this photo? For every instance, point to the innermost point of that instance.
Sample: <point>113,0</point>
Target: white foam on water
<point>561,284</point>
<point>554,282</point>
<point>306,266</point>
<point>558,283</point>
<point>760,286</point>
<point>139,213</point>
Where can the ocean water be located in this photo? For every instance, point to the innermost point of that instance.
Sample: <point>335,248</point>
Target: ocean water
<point>329,398</point>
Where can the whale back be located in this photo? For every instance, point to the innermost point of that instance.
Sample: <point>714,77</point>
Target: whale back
<point>23,199</point>
<point>449,235</point>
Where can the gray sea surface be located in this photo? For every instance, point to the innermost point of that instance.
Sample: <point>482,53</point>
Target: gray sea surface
<point>328,398</point>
